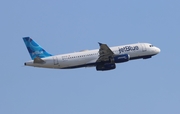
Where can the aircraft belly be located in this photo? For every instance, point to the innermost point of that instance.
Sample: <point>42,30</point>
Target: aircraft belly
<point>75,62</point>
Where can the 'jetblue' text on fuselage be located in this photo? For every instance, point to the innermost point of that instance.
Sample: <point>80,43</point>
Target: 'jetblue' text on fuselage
<point>128,48</point>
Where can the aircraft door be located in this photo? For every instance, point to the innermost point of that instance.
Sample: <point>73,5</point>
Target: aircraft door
<point>55,59</point>
<point>143,47</point>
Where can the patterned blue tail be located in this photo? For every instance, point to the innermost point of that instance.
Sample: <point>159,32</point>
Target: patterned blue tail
<point>34,49</point>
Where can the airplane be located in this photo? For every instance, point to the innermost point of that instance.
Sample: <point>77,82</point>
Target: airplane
<point>104,58</point>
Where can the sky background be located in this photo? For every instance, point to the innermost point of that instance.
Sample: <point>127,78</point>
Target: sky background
<point>61,26</point>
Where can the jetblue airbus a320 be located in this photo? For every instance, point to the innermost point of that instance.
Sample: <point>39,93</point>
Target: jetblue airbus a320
<point>104,58</point>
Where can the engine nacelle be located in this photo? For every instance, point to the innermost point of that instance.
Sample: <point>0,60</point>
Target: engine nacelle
<point>106,66</point>
<point>121,58</point>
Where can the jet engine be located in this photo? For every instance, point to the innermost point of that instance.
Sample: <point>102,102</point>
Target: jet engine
<point>105,66</point>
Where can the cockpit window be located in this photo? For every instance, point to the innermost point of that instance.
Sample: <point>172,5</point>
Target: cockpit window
<point>151,46</point>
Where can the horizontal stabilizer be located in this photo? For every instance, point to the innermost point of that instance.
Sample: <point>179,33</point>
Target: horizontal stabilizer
<point>38,60</point>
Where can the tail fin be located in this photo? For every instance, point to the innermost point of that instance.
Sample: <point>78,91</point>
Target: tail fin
<point>34,49</point>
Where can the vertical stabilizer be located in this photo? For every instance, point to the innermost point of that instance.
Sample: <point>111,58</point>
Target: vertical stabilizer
<point>34,49</point>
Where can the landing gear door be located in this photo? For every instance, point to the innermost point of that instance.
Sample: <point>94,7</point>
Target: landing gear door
<point>143,47</point>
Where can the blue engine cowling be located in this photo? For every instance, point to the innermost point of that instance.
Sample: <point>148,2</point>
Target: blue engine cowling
<point>106,66</point>
<point>121,58</point>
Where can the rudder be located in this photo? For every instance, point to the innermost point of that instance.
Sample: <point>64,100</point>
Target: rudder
<point>34,49</point>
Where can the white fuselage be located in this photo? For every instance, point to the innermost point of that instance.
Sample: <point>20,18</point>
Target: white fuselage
<point>88,58</point>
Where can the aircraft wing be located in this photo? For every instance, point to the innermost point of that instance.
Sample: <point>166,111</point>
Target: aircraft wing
<point>105,53</point>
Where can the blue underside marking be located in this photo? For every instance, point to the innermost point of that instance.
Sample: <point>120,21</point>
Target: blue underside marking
<point>94,64</point>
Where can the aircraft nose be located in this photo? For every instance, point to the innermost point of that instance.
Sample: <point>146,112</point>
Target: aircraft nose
<point>158,50</point>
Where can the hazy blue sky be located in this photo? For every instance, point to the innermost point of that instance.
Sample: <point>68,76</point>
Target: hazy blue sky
<point>137,87</point>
